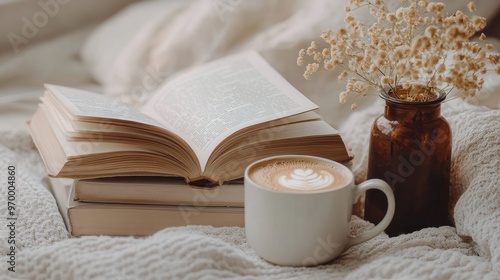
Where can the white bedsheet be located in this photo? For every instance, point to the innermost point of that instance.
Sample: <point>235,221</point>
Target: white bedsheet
<point>471,250</point>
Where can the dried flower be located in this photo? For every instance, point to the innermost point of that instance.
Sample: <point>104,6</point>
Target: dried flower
<point>471,6</point>
<point>415,47</point>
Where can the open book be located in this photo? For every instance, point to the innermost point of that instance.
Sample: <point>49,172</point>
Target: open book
<point>205,124</point>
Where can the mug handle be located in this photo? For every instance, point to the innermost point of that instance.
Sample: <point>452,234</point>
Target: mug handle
<point>384,187</point>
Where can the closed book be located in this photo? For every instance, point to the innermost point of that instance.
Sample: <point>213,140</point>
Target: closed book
<point>158,190</point>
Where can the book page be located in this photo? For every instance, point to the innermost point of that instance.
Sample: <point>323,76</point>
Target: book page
<point>75,148</point>
<point>83,103</point>
<point>207,104</point>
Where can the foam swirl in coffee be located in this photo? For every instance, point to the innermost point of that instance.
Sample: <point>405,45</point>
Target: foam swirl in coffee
<point>306,179</point>
<point>298,175</point>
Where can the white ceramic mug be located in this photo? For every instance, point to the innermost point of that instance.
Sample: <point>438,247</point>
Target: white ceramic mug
<point>306,228</point>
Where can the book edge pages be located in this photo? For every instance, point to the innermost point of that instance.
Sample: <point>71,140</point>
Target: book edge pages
<point>157,191</point>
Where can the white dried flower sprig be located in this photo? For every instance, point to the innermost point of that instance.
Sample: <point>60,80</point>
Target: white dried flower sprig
<point>413,49</point>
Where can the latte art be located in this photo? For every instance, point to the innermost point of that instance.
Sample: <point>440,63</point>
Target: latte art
<point>298,175</point>
<point>306,179</point>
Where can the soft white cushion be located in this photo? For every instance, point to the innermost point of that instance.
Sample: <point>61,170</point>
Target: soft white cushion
<point>27,21</point>
<point>108,42</point>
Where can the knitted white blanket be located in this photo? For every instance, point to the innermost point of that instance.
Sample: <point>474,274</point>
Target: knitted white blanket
<point>469,251</point>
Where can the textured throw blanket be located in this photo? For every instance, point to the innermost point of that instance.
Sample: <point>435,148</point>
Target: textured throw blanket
<point>471,250</point>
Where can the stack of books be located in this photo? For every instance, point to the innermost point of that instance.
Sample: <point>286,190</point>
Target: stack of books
<point>145,205</point>
<point>179,159</point>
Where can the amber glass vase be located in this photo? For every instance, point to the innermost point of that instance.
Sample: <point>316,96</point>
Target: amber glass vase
<point>410,148</point>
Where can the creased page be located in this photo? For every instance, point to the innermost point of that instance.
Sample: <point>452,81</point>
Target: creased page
<point>83,103</point>
<point>207,104</point>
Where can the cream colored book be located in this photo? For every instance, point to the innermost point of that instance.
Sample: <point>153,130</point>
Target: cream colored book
<point>157,190</point>
<point>83,218</point>
<point>205,124</point>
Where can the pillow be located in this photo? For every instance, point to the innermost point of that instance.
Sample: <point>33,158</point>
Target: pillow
<point>110,39</point>
<point>28,21</point>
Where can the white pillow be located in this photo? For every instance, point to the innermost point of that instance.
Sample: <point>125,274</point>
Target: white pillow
<point>27,21</point>
<point>111,38</point>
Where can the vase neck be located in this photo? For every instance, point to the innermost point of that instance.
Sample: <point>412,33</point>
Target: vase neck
<point>412,113</point>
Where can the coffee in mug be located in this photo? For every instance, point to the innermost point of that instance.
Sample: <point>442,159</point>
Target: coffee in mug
<point>298,209</point>
<point>298,175</point>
